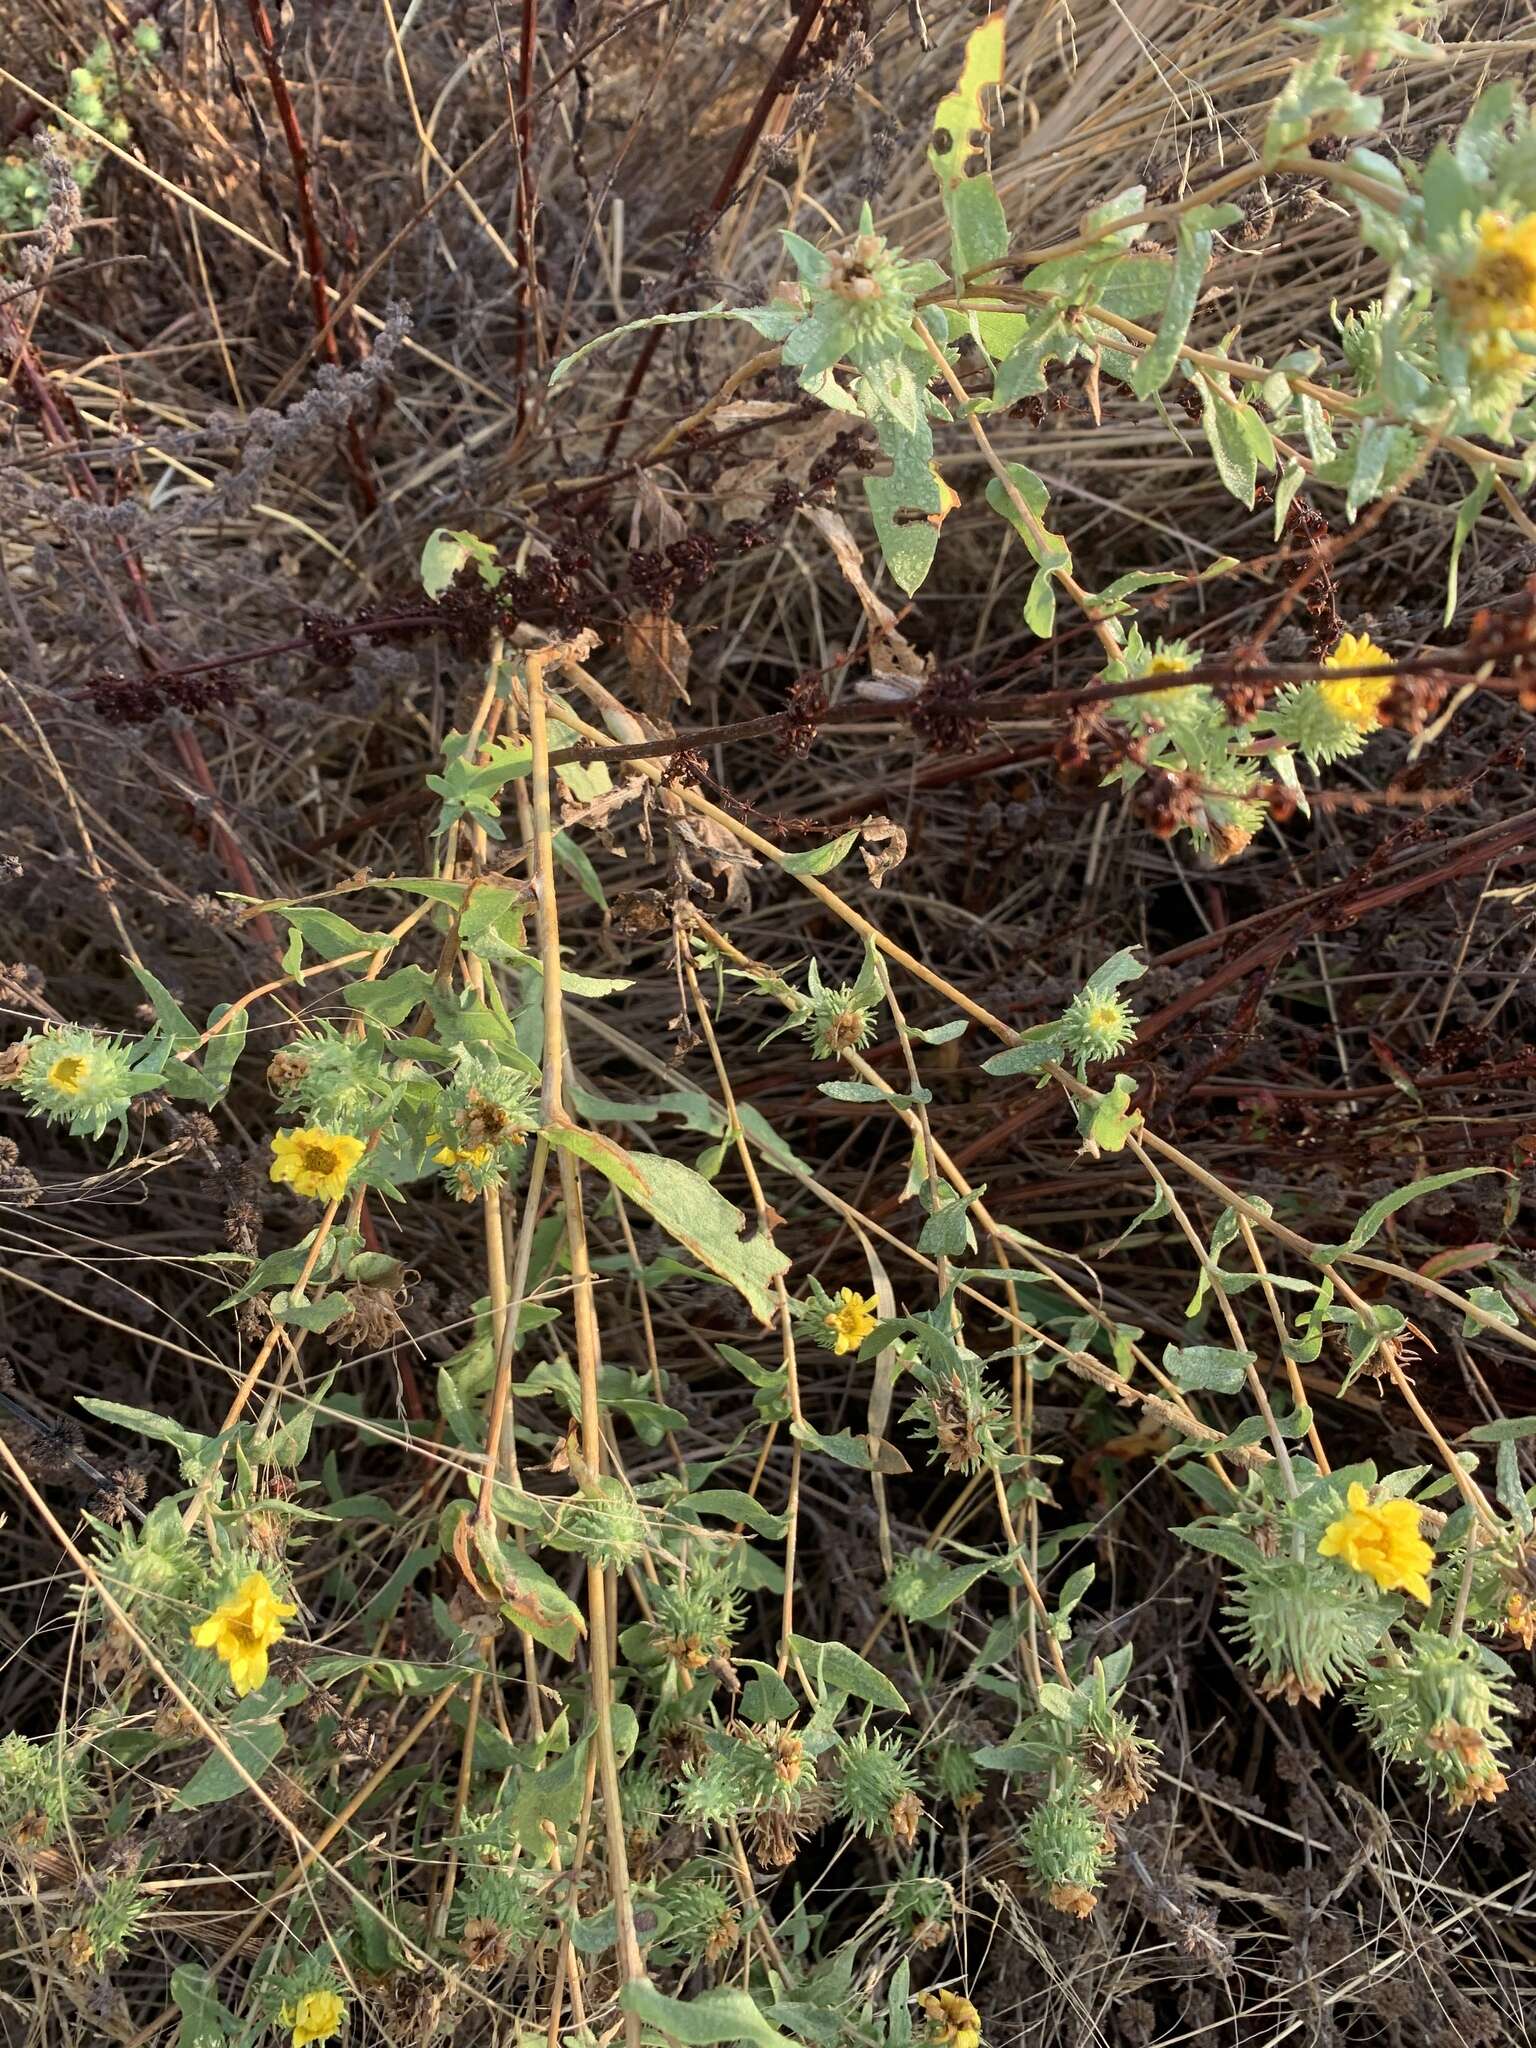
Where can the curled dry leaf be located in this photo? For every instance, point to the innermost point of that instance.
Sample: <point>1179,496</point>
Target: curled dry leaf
<point>657,651</point>
<point>883,843</point>
<point>889,650</point>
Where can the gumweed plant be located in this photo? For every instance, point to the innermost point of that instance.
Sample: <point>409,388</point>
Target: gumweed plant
<point>634,1785</point>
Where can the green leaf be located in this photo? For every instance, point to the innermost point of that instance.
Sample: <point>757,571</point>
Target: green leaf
<point>255,1735</point>
<point>947,1232</point>
<point>766,1697</point>
<point>445,554</point>
<point>575,861</point>
<point>223,1051</point>
<point>287,1444</point>
<point>190,1447</point>
<point>1042,1042</point>
<point>169,1015</point>
<point>731,1505</point>
<point>1466,518</point>
<point>908,508</point>
<point>205,2021</point>
<point>1040,605</point>
<point>834,1667</point>
<point>1207,1368</point>
<point>1225,422</point>
<point>868,1091</point>
<point>978,235</point>
<point>1221,1541</point>
<point>699,2022</point>
<point>941,1589</point>
<point>1493,1305</point>
<point>697,1215</point>
<point>820,860</point>
<point>939,1034</point>
<point>566,364</point>
<point>528,1593</point>
<point>491,922</point>
<point>319,1314</point>
<point>1377,1214</point>
<point>329,935</point>
<point>1191,260</point>
<point>391,1000</point>
<point>1108,1122</point>
<point>1513,1430</point>
<point>1049,550</point>
<point>1021,374</point>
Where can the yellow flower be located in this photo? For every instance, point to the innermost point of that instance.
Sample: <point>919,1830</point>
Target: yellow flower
<point>314,2017</point>
<point>952,2019</point>
<point>69,1073</point>
<point>462,1155</point>
<point>851,1319</point>
<point>241,1630</point>
<point>1383,1541</point>
<point>1496,299</point>
<point>1165,664</point>
<point>315,1162</point>
<point>1357,699</point>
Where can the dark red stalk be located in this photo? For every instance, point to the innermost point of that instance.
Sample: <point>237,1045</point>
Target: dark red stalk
<point>314,246</point>
<point>741,156</point>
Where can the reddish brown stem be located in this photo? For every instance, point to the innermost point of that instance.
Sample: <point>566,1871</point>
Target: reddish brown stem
<point>309,228</point>
<point>741,156</point>
<point>82,484</point>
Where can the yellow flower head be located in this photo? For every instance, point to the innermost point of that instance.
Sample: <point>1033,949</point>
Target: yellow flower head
<point>315,1162</point>
<point>70,1072</point>
<point>1495,300</point>
<point>240,1631</point>
<point>851,1319</point>
<point>1383,1541</point>
<point>952,2020</point>
<point>314,2017</point>
<point>1165,664</point>
<point>1356,699</point>
<point>463,1155</point>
